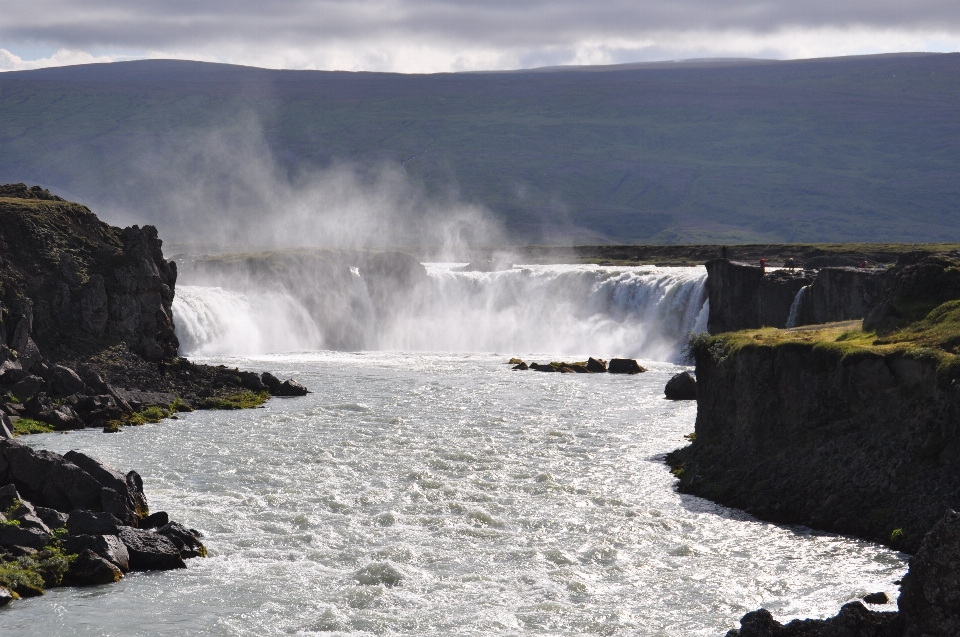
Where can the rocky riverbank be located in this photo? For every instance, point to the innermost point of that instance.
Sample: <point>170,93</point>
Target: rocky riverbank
<point>74,520</point>
<point>834,427</point>
<point>927,606</point>
<point>87,340</point>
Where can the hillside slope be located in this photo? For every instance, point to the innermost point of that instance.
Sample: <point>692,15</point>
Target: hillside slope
<point>840,149</point>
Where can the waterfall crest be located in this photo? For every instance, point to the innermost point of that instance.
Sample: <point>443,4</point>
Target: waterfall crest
<point>644,312</point>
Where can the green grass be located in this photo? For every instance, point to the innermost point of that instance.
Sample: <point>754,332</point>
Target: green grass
<point>26,426</point>
<point>935,338</point>
<point>30,575</point>
<point>242,400</point>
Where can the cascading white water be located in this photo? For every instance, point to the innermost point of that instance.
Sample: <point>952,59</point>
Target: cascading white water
<point>213,321</point>
<point>563,309</point>
<point>795,306</point>
<point>643,312</point>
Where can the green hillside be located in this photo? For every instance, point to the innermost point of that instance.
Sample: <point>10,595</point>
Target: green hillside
<point>862,149</point>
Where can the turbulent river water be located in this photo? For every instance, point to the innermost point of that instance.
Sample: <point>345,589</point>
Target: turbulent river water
<point>441,493</point>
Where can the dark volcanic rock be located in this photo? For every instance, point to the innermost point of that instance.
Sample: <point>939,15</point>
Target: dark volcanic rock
<point>90,569</point>
<point>52,518</point>
<point>65,381</point>
<point>624,366</point>
<point>25,389</point>
<point>930,592</point>
<point>876,598</point>
<point>272,382</point>
<point>154,520</point>
<point>150,551</point>
<point>251,381</point>
<point>853,620</point>
<point>742,297</point>
<point>291,387</point>
<point>860,445</point>
<point>89,523</point>
<point>6,427</point>
<point>11,535</point>
<point>682,386</point>
<point>842,294</point>
<point>186,540</point>
<point>596,365</point>
<point>108,547</point>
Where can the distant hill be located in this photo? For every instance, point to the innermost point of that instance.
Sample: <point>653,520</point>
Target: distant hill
<point>829,150</point>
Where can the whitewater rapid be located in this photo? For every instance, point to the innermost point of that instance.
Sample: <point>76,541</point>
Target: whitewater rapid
<point>432,495</point>
<point>643,312</point>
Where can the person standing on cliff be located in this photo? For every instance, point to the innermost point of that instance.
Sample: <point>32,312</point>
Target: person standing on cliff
<point>763,266</point>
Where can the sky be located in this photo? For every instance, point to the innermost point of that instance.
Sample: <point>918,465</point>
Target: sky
<point>426,36</point>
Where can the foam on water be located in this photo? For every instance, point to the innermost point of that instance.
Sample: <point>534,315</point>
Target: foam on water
<point>427,494</point>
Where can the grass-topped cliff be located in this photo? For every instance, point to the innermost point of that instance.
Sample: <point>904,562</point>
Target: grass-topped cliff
<point>86,324</point>
<point>847,427</point>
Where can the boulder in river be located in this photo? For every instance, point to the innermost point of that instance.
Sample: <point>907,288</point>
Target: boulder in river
<point>91,569</point>
<point>150,551</point>
<point>624,366</point>
<point>291,387</point>
<point>596,365</point>
<point>682,386</point>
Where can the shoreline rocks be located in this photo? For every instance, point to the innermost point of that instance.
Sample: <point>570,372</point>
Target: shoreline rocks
<point>76,504</point>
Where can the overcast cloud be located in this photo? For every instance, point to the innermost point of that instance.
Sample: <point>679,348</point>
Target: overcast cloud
<point>448,35</point>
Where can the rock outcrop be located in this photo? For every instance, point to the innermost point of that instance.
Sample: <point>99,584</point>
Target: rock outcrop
<point>70,284</point>
<point>86,323</point>
<point>843,294</point>
<point>78,505</point>
<point>742,296</point>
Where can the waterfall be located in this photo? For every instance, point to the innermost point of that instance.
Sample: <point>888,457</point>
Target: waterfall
<point>213,321</point>
<point>795,306</point>
<point>574,310</point>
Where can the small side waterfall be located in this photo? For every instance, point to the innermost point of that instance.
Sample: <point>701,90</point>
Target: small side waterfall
<point>795,306</point>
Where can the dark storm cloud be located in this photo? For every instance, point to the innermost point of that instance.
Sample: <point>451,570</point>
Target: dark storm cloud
<point>166,24</point>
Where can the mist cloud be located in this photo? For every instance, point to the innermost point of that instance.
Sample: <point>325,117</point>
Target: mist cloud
<point>431,35</point>
<point>224,186</point>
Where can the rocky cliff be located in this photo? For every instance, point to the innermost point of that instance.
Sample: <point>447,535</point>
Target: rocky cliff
<point>86,322</point>
<point>836,428</point>
<point>71,285</point>
<point>743,297</point>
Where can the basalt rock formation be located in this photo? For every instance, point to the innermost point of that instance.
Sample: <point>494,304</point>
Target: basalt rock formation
<point>742,296</point>
<point>71,284</point>
<point>856,439</point>
<point>86,320</point>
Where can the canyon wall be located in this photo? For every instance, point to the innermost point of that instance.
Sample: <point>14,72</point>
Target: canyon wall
<point>742,296</point>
